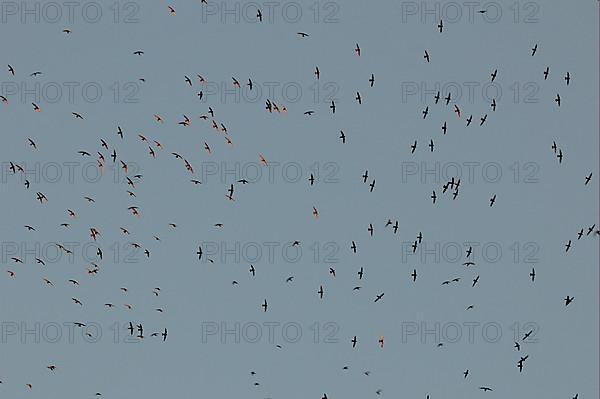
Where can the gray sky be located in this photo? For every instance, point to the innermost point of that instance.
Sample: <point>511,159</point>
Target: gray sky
<point>540,204</point>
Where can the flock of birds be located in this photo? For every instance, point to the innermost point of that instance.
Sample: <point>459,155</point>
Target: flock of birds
<point>108,153</point>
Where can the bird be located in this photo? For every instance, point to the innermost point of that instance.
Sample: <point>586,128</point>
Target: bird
<point>520,363</point>
<point>426,56</point>
<point>568,300</point>
<point>590,229</point>
<point>469,251</point>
